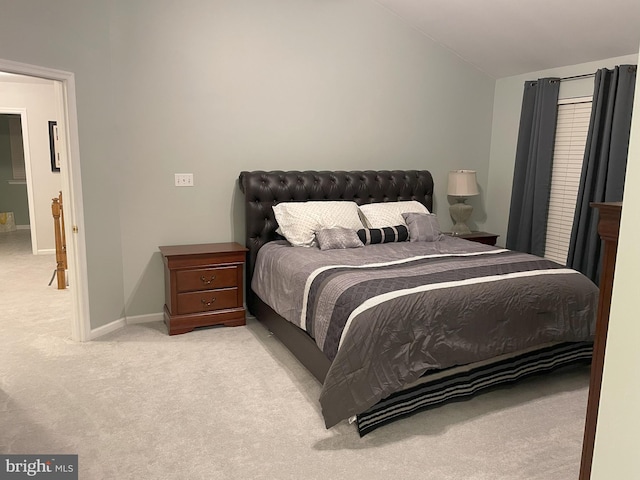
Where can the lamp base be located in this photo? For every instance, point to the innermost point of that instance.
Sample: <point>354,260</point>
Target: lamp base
<point>460,212</point>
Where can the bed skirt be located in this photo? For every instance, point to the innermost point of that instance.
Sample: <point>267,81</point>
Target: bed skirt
<point>436,389</point>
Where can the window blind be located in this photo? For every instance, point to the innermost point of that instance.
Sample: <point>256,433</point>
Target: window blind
<point>571,136</point>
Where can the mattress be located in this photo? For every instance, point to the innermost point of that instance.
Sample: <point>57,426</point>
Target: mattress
<point>387,314</point>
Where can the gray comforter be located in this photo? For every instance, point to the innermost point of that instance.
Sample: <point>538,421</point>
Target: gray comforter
<point>386,314</point>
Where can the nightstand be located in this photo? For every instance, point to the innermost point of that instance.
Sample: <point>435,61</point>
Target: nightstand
<point>203,285</point>
<point>480,237</point>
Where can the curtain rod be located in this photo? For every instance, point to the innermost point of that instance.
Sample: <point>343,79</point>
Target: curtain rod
<point>576,77</point>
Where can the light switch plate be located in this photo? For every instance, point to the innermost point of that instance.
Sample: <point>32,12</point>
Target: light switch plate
<point>184,179</point>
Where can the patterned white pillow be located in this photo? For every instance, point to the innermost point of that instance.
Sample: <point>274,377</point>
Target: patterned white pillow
<point>299,221</point>
<point>389,214</point>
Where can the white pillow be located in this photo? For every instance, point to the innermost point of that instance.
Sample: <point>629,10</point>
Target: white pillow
<point>299,221</point>
<point>389,214</point>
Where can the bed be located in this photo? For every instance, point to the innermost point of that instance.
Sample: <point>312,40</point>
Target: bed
<point>433,321</point>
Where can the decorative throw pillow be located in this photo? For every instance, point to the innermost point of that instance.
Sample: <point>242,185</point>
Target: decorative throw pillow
<point>387,214</point>
<point>299,221</point>
<point>423,227</point>
<point>399,233</point>
<point>333,238</point>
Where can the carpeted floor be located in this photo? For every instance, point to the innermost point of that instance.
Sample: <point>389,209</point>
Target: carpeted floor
<point>232,403</point>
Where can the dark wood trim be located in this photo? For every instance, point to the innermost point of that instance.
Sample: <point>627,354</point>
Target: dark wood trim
<point>608,229</point>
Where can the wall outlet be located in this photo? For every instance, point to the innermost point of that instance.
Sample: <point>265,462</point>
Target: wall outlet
<point>184,179</point>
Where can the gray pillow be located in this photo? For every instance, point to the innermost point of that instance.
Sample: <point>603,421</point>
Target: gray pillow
<point>423,227</point>
<point>332,238</point>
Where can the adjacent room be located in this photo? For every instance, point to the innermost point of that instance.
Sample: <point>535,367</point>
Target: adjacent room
<point>177,134</point>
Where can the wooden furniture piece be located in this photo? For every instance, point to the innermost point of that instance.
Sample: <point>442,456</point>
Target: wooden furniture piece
<point>608,228</point>
<point>203,285</point>
<point>480,237</point>
<point>61,242</point>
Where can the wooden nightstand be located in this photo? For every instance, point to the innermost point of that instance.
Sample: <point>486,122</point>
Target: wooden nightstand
<point>203,285</point>
<point>480,237</point>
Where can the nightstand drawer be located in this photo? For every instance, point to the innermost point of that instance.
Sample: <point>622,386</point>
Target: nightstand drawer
<point>207,301</point>
<point>206,278</point>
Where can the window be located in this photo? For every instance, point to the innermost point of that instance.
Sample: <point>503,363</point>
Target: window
<point>571,136</point>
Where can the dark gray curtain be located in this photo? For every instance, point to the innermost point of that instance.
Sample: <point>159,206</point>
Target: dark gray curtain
<point>605,163</point>
<point>531,188</point>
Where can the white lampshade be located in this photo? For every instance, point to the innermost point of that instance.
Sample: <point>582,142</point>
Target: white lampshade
<point>462,183</point>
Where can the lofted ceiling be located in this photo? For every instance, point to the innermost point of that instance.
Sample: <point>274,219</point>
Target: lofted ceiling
<point>511,37</point>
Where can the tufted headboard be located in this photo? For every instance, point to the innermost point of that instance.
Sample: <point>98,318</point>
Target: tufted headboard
<point>263,190</point>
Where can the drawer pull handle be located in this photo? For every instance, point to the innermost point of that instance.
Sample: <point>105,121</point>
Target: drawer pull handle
<point>207,282</point>
<point>208,304</point>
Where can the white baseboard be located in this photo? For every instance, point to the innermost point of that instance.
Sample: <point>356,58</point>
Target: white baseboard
<point>150,317</point>
<point>108,328</point>
<point>46,251</point>
<point>123,322</point>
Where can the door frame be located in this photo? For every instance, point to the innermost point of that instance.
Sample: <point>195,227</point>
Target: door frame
<point>65,92</point>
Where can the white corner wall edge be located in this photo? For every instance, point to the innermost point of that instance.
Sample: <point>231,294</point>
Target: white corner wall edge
<point>123,322</point>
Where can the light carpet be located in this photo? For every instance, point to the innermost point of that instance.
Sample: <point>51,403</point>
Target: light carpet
<point>232,403</point>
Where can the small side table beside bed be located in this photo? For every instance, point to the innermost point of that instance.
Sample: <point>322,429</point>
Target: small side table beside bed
<point>203,285</point>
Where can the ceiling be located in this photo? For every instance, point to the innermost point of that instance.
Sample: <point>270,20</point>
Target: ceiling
<point>511,37</point>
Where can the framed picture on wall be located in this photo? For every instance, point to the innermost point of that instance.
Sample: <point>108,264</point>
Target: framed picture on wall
<point>53,146</point>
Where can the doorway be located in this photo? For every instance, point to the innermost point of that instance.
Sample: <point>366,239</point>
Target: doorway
<point>70,185</point>
<point>28,186</point>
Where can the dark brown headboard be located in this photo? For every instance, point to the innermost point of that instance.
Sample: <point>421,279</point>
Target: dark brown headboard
<point>263,190</point>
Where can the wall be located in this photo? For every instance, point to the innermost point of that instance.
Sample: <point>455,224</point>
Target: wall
<point>75,36</point>
<point>38,98</point>
<point>220,87</point>
<point>618,431</point>
<point>13,197</point>
<point>504,136</point>
<point>214,88</point>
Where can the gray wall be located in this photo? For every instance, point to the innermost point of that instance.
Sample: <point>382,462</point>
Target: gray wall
<point>214,88</point>
<point>13,197</point>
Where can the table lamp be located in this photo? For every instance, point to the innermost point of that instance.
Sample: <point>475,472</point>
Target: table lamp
<point>462,184</point>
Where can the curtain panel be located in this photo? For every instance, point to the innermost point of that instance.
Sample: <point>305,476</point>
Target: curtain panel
<point>605,163</point>
<point>527,228</point>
